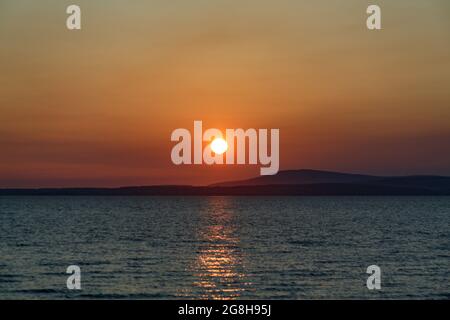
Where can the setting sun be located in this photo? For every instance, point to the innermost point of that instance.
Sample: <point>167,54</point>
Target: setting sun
<point>219,146</point>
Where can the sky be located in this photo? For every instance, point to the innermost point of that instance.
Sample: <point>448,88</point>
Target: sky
<point>97,106</point>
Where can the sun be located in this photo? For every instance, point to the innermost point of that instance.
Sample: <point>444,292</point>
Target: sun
<point>219,146</point>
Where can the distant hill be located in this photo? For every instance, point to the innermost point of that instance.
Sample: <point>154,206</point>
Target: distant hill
<point>290,182</point>
<point>304,176</point>
<point>433,184</point>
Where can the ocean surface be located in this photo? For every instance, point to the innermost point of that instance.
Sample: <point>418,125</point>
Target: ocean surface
<point>224,247</point>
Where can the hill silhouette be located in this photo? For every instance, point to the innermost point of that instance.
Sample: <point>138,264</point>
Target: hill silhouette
<point>424,183</point>
<point>289,182</point>
<point>303,176</point>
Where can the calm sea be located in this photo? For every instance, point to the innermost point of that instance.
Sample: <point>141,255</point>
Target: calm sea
<point>225,247</point>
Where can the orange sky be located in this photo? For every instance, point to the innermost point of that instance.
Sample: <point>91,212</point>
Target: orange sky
<point>96,107</point>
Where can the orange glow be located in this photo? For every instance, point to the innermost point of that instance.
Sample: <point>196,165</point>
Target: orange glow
<point>96,108</point>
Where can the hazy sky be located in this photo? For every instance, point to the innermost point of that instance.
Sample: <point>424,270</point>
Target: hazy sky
<point>96,107</point>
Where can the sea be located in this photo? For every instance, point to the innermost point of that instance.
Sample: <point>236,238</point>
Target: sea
<point>224,247</point>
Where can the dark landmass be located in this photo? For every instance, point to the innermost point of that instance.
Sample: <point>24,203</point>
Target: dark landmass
<point>336,189</point>
<point>285,183</point>
<point>304,176</point>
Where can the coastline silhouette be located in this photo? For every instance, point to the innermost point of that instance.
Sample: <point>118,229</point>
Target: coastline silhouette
<point>288,182</point>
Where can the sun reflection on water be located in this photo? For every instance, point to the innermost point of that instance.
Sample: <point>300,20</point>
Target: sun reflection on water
<point>219,266</point>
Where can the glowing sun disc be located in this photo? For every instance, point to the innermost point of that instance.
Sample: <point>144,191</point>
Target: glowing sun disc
<point>219,146</point>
